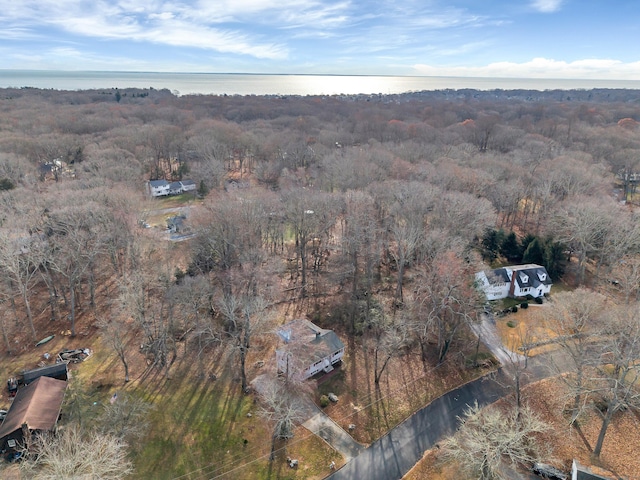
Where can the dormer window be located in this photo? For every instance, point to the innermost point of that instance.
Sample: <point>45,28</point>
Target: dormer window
<point>542,276</point>
<point>524,278</point>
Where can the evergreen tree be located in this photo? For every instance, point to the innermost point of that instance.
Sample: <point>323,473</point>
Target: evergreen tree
<point>554,258</point>
<point>491,243</point>
<point>534,253</point>
<point>525,242</point>
<point>202,189</point>
<point>510,248</point>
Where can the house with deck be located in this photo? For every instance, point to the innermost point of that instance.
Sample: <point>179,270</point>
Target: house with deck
<point>514,281</point>
<point>307,349</point>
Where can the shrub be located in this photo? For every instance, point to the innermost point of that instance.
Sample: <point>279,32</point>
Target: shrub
<point>538,300</point>
<point>511,324</point>
<point>514,309</point>
<point>524,305</point>
<point>324,401</point>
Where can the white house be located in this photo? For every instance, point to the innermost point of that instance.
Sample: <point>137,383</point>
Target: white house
<point>162,188</point>
<point>188,185</point>
<point>175,188</point>
<point>158,188</point>
<point>514,281</point>
<point>307,349</point>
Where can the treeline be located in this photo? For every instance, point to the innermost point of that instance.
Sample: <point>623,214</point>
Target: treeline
<point>372,213</point>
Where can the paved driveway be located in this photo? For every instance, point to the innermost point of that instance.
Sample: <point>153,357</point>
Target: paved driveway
<point>393,455</point>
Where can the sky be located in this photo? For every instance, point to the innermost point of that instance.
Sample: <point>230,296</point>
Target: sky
<point>583,39</point>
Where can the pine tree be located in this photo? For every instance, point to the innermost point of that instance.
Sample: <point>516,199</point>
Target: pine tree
<point>534,253</point>
<point>510,248</point>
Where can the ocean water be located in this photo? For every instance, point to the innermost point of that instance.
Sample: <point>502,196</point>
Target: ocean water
<point>256,84</point>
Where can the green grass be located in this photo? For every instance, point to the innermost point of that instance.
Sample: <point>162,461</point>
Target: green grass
<point>198,430</point>
<point>175,200</point>
<point>198,425</point>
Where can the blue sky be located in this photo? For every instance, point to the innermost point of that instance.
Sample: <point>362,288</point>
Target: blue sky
<point>488,38</point>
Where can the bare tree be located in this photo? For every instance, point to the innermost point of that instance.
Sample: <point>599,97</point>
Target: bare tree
<point>243,317</point>
<point>616,382</point>
<point>72,454</point>
<point>311,215</point>
<point>114,331</point>
<point>360,249</point>
<point>626,274</point>
<point>444,301</point>
<point>576,319</point>
<point>146,299</point>
<point>402,209</point>
<point>75,239</point>
<point>491,442</point>
<point>125,417</point>
<point>283,407</point>
<point>584,224</point>
<point>20,258</point>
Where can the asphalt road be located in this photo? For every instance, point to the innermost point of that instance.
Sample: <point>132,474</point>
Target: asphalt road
<point>393,455</point>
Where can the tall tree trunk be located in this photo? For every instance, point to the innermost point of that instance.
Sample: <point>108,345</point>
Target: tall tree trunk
<point>603,430</point>
<point>92,285</point>
<point>72,295</point>
<point>244,347</point>
<point>27,305</point>
<point>5,336</point>
<point>399,293</point>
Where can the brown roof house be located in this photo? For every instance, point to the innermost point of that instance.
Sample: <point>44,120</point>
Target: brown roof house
<point>35,408</point>
<point>307,349</point>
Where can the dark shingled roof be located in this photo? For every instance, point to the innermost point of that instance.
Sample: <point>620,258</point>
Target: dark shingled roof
<point>308,341</point>
<point>158,183</point>
<point>57,370</point>
<point>38,405</point>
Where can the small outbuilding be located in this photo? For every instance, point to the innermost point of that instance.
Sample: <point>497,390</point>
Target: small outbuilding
<point>58,371</point>
<point>35,408</point>
<point>307,349</point>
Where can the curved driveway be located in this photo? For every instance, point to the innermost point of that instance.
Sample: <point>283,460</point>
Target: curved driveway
<point>393,455</point>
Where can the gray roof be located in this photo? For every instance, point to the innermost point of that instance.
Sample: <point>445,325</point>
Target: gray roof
<point>499,275</point>
<point>308,341</point>
<point>158,183</point>
<point>187,182</point>
<point>57,370</point>
<point>530,275</point>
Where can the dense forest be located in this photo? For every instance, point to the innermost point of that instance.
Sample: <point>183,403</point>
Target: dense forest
<point>368,214</point>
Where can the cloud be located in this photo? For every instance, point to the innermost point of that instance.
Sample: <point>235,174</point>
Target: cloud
<point>178,23</point>
<point>547,6</point>
<point>597,69</point>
